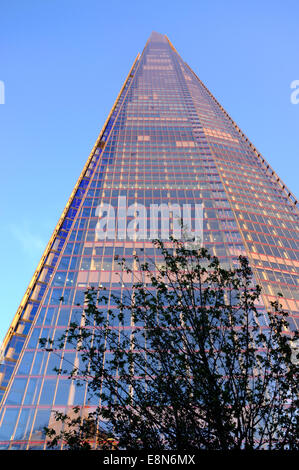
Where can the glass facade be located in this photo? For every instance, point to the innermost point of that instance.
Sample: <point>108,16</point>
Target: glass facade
<point>166,141</point>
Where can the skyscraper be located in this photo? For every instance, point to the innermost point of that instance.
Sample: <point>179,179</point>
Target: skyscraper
<point>166,141</point>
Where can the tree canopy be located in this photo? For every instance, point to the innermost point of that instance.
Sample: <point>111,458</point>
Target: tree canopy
<point>187,358</point>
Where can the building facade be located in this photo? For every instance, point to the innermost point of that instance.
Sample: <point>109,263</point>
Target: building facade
<point>166,141</point>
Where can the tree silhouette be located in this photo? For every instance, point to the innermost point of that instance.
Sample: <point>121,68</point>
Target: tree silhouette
<point>182,361</point>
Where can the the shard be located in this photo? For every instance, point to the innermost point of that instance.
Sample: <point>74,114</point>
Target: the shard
<point>166,141</point>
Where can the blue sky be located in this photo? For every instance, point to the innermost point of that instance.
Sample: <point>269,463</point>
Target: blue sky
<point>63,63</point>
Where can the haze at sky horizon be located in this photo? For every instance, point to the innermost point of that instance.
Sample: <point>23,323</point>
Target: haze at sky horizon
<point>63,63</point>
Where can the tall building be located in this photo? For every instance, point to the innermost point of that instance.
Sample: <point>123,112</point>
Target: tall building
<point>166,140</point>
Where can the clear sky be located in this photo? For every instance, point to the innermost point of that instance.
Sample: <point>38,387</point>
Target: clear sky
<point>63,63</point>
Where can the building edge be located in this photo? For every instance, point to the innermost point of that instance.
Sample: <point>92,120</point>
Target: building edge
<point>14,324</point>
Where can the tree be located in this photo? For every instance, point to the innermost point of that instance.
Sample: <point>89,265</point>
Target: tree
<point>182,361</point>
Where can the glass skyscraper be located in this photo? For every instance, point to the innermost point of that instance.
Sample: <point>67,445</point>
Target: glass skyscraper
<point>166,141</point>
